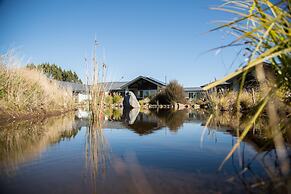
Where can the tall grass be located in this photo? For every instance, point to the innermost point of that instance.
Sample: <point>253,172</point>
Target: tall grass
<point>28,91</point>
<point>227,101</point>
<point>262,29</point>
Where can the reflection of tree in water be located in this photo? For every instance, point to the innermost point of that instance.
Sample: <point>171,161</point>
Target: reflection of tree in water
<point>25,140</point>
<point>97,152</point>
<point>172,119</point>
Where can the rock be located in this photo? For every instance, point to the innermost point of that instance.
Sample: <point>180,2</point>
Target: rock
<point>130,100</point>
<point>132,115</point>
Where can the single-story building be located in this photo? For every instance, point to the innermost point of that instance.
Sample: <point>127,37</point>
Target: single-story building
<point>79,91</point>
<point>143,86</point>
<point>222,87</point>
<point>75,87</point>
<point>193,93</point>
<point>113,87</point>
<point>251,79</point>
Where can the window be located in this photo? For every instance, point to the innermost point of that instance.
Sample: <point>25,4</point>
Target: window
<point>140,94</point>
<point>146,93</point>
<point>191,95</point>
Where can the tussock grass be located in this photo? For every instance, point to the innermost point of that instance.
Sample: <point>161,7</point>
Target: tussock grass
<point>262,29</point>
<point>227,101</point>
<point>28,91</point>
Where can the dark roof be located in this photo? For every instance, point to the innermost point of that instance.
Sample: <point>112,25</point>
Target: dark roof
<point>150,79</point>
<point>192,89</point>
<point>234,75</point>
<point>112,85</point>
<point>157,81</point>
<point>266,66</point>
<point>222,84</point>
<point>75,87</point>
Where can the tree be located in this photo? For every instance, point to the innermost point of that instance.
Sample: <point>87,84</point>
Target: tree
<point>54,71</point>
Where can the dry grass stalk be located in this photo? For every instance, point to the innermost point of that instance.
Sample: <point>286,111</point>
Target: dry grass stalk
<point>263,28</point>
<point>24,91</point>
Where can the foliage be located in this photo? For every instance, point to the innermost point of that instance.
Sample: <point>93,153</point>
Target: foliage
<point>144,101</point>
<point>173,93</point>
<point>29,91</point>
<point>108,99</point>
<point>117,99</point>
<point>227,101</point>
<point>56,72</point>
<point>262,30</point>
<point>113,99</point>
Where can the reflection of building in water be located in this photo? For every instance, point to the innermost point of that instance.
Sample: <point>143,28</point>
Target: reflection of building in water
<point>147,123</point>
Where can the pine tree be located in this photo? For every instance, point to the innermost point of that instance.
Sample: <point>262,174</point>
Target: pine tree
<point>54,71</point>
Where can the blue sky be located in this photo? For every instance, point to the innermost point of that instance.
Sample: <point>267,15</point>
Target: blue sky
<point>155,38</point>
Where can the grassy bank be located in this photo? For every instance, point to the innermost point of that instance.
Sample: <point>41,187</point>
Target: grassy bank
<point>29,92</point>
<point>248,101</point>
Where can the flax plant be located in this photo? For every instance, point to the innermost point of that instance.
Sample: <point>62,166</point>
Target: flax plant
<point>262,28</point>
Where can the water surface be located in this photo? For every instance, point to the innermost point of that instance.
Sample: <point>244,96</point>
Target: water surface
<point>133,153</point>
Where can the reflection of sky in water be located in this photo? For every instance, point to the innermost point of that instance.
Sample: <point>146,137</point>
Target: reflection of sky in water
<point>176,150</point>
<point>173,158</point>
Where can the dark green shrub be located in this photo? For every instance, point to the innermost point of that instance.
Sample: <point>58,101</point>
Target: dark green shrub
<point>173,93</point>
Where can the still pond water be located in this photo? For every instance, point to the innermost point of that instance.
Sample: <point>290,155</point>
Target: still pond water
<point>139,153</point>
